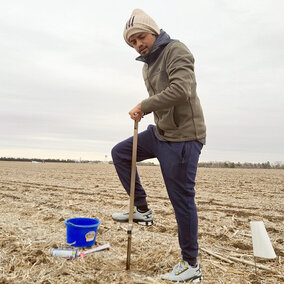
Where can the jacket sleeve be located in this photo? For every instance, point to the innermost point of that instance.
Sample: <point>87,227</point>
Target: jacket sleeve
<point>180,71</point>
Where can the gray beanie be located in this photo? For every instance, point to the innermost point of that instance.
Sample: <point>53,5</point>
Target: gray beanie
<point>139,22</point>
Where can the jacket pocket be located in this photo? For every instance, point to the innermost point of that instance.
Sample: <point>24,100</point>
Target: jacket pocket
<point>167,119</point>
<point>175,117</point>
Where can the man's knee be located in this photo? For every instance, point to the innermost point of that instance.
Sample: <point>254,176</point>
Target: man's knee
<point>115,153</point>
<point>121,152</point>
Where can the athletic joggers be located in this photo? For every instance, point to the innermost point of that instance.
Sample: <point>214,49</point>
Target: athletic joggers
<point>178,162</point>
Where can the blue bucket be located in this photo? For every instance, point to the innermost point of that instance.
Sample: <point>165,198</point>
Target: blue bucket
<point>81,232</point>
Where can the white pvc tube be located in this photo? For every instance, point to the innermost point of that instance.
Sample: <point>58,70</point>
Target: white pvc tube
<point>262,246</point>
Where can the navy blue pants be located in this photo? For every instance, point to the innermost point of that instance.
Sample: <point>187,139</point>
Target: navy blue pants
<point>178,162</point>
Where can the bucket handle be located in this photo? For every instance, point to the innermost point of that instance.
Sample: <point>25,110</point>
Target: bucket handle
<point>69,223</point>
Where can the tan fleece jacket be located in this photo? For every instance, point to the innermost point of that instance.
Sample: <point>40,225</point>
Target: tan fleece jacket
<point>171,85</point>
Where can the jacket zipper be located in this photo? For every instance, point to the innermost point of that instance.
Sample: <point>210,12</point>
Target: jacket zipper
<point>151,87</point>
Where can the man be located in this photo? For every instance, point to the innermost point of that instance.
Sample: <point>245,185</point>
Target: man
<point>176,140</point>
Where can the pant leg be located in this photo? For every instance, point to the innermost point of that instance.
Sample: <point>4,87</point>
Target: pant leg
<point>122,156</point>
<point>179,163</point>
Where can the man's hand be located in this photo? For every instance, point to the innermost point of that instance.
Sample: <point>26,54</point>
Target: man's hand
<point>136,113</point>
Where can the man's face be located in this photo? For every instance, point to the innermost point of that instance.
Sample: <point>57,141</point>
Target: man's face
<point>142,42</point>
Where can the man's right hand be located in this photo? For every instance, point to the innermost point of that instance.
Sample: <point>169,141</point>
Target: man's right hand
<point>136,113</point>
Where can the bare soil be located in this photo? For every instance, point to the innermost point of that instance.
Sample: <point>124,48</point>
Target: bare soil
<point>36,199</point>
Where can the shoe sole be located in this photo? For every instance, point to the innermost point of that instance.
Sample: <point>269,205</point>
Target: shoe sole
<point>144,223</point>
<point>139,222</point>
<point>197,280</point>
<point>192,280</point>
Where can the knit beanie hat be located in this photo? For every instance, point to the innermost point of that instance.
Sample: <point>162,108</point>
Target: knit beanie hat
<point>139,22</point>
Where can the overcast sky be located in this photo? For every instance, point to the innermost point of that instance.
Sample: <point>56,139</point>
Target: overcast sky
<point>68,79</point>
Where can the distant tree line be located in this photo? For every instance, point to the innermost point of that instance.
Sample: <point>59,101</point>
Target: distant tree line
<point>232,165</point>
<point>47,160</point>
<point>65,161</point>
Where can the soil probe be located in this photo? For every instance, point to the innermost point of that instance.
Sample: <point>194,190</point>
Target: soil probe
<point>132,192</point>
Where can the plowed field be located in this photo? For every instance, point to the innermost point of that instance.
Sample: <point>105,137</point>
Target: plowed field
<point>35,199</point>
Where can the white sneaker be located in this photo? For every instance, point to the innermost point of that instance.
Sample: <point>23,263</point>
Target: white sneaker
<point>183,272</point>
<point>145,218</point>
